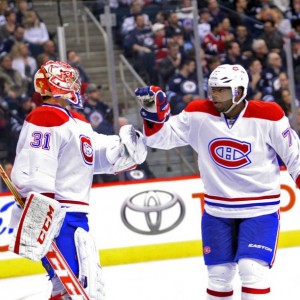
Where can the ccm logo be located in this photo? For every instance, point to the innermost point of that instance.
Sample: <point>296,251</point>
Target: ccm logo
<point>46,225</point>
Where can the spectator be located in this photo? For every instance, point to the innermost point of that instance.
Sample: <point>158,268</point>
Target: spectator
<point>204,23</point>
<point>3,8</point>
<point>217,14</point>
<point>15,85</point>
<point>17,37</point>
<point>168,66</point>
<point>211,63</point>
<point>233,55</point>
<point>183,86</point>
<point>98,113</point>
<point>185,17</point>
<point>260,50</point>
<point>24,63</point>
<point>283,24</point>
<point>294,12</point>
<point>74,60</point>
<point>23,6</point>
<point>49,48</point>
<point>239,14</point>
<point>255,85</point>
<point>270,74</point>
<point>285,101</point>
<point>173,24</point>
<point>129,22</point>
<point>7,29</point>
<point>36,32</point>
<point>272,37</point>
<point>296,60</point>
<point>160,42</point>
<point>244,40</point>
<point>25,106</point>
<point>281,84</point>
<point>140,46</point>
<point>214,42</point>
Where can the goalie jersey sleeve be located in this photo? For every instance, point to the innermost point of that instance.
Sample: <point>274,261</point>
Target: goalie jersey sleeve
<point>238,164</point>
<point>57,154</point>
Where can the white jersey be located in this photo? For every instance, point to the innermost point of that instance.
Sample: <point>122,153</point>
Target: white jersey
<point>238,163</point>
<point>57,154</point>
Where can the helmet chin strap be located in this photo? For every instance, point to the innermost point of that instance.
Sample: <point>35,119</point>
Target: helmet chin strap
<point>234,104</point>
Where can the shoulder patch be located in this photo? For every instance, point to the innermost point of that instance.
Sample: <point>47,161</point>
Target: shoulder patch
<point>47,116</point>
<point>205,106</point>
<point>264,110</point>
<point>79,116</point>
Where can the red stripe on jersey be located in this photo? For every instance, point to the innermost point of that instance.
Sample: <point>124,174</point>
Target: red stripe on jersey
<point>255,291</point>
<point>241,199</point>
<point>298,181</point>
<point>202,106</point>
<point>264,110</point>
<point>72,202</point>
<point>48,116</point>
<point>79,116</point>
<point>219,294</point>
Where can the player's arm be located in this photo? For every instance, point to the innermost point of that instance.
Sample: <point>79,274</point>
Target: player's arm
<point>286,143</point>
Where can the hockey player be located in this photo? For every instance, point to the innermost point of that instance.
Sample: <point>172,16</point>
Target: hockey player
<point>237,142</point>
<point>57,155</point>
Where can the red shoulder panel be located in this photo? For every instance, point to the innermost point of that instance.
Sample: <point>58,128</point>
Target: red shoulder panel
<point>79,116</point>
<point>205,106</point>
<point>263,110</point>
<point>47,116</point>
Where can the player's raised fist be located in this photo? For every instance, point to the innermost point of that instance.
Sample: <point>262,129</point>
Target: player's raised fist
<point>155,107</point>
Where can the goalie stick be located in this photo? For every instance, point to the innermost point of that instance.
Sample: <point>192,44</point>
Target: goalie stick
<point>54,256</point>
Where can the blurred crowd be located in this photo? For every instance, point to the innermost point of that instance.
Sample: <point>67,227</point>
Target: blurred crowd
<point>157,37</point>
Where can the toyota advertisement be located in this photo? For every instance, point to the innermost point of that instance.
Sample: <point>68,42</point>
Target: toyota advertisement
<point>157,219</point>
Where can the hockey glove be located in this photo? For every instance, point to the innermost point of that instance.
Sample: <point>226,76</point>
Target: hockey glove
<point>127,150</point>
<point>155,107</point>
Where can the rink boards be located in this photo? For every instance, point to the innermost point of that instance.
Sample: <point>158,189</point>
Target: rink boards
<point>147,221</point>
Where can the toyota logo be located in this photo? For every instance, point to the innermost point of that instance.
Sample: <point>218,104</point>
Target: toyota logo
<point>152,212</point>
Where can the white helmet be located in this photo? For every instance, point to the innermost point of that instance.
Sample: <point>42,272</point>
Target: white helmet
<point>233,76</point>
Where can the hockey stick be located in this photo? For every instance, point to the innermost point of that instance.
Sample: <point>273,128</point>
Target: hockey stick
<point>54,256</point>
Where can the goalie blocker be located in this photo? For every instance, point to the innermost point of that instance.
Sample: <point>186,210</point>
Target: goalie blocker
<point>39,224</point>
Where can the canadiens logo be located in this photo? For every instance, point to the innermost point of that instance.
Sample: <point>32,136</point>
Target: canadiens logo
<point>86,149</point>
<point>206,250</point>
<point>230,153</point>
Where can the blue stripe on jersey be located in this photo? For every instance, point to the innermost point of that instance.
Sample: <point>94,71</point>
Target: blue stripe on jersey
<point>241,205</point>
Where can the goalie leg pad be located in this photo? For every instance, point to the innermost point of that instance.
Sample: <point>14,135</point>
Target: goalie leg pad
<point>90,271</point>
<point>40,223</point>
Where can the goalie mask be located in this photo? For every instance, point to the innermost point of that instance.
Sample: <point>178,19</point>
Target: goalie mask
<point>232,77</point>
<point>59,80</point>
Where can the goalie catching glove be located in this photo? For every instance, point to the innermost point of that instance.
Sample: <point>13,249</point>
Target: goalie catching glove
<point>127,150</point>
<point>155,107</point>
